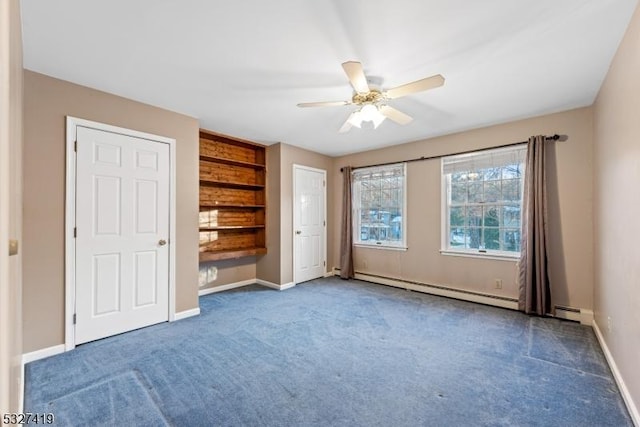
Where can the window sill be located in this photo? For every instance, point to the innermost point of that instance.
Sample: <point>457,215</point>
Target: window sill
<point>390,248</point>
<point>494,256</point>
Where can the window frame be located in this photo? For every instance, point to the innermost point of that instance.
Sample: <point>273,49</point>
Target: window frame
<point>356,218</point>
<point>445,248</point>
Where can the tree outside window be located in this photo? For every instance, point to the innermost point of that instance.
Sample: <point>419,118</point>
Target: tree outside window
<point>378,200</point>
<point>483,201</point>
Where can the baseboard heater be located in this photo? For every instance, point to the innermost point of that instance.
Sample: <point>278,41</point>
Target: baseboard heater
<point>488,299</point>
<point>562,312</point>
<point>570,313</point>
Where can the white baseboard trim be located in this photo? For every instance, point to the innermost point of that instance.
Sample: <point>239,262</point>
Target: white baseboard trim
<point>42,353</point>
<point>626,396</point>
<point>188,313</point>
<point>287,286</point>
<point>275,285</point>
<point>226,287</point>
<point>586,317</point>
<point>443,291</point>
<point>260,282</point>
<point>330,273</point>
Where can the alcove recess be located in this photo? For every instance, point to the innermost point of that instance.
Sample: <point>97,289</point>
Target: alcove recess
<point>233,203</point>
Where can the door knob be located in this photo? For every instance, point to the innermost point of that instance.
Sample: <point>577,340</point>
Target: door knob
<point>298,232</point>
<point>162,242</point>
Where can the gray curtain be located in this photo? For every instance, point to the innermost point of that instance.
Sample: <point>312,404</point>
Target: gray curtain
<point>535,291</point>
<point>346,235</point>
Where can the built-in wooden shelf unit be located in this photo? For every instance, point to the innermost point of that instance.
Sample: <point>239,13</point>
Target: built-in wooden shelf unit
<point>233,202</point>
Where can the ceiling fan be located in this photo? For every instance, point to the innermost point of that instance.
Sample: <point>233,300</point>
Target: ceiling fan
<point>372,101</point>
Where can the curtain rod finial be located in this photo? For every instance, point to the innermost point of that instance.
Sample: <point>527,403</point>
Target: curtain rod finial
<point>556,137</point>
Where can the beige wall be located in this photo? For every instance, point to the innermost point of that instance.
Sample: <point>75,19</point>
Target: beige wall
<point>290,155</point>
<point>226,272</point>
<point>268,265</point>
<point>47,101</point>
<point>617,210</point>
<point>570,211</point>
<point>11,98</point>
<point>277,266</point>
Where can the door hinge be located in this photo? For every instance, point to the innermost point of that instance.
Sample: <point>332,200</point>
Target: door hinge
<point>324,183</point>
<point>324,263</point>
<point>75,232</point>
<point>75,145</point>
<point>324,223</point>
<point>74,318</point>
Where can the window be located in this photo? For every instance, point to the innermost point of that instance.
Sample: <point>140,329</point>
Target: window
<point>378,199</point>
<point>482,195</point>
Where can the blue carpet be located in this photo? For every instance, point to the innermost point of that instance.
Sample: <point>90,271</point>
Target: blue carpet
<point>102,403</point>
<point>331,352</point>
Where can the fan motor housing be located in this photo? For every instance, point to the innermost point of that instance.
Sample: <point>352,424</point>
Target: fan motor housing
<point>370,97</point>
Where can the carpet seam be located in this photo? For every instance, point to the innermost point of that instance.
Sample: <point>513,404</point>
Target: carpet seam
<point>567,367</point>
<point>152,395</point>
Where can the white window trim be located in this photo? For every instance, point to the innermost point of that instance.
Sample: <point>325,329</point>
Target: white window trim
<point>473,253</point>
<point>444,229</point>
<point>401,246</point>
<point>382,246</point>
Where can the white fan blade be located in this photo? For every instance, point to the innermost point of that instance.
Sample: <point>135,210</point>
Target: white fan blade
<point>323,104</point>
<point>356,76</point>
<point>417,86</point>
<point>346,127</point>
<point>395,115</point>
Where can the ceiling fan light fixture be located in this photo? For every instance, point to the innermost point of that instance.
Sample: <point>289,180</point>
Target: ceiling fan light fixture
<point>369,112</point>
<point>379,118</point>
<point>371,99</point>
<point>356,119</point>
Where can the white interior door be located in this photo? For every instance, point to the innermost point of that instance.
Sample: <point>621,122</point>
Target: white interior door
<point>309,223</point>
<point>122,229</point>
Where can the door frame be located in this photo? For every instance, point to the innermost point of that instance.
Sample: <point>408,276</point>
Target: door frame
<point>70,217</point>
<point>293,212</point>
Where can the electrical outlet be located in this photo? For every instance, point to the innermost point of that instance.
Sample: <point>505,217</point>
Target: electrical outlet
<point>498,283</point>
<point>609,324</point>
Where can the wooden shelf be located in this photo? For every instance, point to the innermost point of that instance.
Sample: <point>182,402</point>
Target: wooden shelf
<point>231,254</point>
<point>232,162</point>
<point>211,183</point>
<point>232,197</point>
<point>231,227</point>
<point>229,206</point>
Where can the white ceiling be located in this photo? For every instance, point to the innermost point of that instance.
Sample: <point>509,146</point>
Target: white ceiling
<point>241,67</point>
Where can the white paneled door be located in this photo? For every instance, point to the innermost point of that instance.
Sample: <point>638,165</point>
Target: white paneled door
<point>122,232</point>
<point>309,223</point>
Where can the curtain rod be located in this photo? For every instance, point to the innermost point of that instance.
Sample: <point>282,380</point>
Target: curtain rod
<point>555,137</point>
